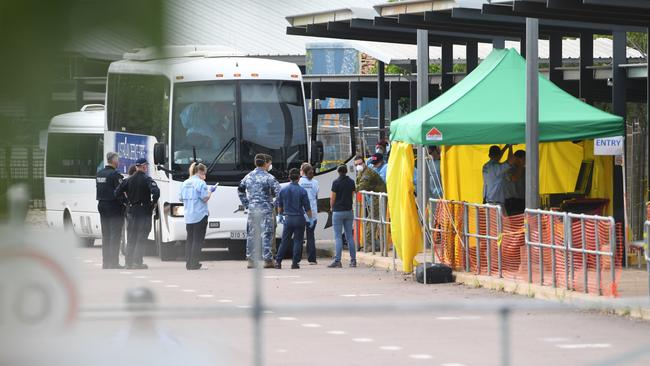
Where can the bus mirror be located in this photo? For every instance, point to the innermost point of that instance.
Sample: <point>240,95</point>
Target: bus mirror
<point>317,153</point>
<point>159,150</point>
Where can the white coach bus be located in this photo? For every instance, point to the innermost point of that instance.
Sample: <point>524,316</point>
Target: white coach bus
<point>200,104</point>
<point>74,153</point>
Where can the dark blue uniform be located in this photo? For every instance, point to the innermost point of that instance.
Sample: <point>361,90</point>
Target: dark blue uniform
<point>294,202</point>
<point>142,194</point>
<point>111,213</point>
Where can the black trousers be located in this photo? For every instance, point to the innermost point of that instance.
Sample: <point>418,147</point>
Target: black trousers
<point>137,230</point>
<point>515,206</point>
<point>311,243</point>
<point>194,243</point>
<point>112,219</point>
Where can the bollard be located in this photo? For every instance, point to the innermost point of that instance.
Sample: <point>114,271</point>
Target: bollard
<point>139,300</point>
<point>18,197</point>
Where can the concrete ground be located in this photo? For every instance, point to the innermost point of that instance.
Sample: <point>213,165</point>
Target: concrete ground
<point>351,337</point>
<point>354,335</point>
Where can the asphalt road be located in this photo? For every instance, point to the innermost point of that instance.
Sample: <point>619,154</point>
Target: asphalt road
<point>354,336</point>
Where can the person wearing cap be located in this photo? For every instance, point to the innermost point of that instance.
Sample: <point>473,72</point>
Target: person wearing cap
<point>256,192</point>
<point>111,211</point>
<point>369,180</point>
<point>494,175</point>
<point>195,195</point>
<point>142,194</point>
<point>379,165</point>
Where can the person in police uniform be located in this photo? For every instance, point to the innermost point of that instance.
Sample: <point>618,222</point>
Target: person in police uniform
<point>369,180</point>
<point>142,194</point>
<point>256,192</point>
<point>111,211</point>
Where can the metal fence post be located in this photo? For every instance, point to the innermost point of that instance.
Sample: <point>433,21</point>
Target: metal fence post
<point>478,244</point>
<point>566,222</point>
<point>488,241</point>
<point>596,232</point>
<point>583,235</point>
<point>466,237</point>
<point>553,264</point>
<point>499,240</point>
<point>646,250</point>
<point>527,243</point>
<point>612,246</point>
<point>373,226</point>
<point>540,233</point>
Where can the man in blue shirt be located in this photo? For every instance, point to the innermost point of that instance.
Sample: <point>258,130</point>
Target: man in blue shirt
<point>494,174</point>
<point>293,203</point>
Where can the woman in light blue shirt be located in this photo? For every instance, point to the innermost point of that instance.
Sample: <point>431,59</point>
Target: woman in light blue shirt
<point>310,184</point>
<point>195,194</point>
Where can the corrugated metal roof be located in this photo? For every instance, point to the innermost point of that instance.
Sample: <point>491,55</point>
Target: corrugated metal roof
<point>258,28</point>
<point>255,27</point>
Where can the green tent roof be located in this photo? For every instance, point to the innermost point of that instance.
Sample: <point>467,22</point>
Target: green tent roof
<point>489,107</point>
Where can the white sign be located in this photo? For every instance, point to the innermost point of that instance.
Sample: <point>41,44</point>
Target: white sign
<point>609,146</point>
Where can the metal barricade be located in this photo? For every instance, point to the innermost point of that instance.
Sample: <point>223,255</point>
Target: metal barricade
<point>375,220</point>
<point>570,237</point>
<point>646,249</point>
<point>444,226</point>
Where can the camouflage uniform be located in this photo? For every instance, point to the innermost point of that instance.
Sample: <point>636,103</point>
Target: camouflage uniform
<point>256,193</point>
<point>369,180</point>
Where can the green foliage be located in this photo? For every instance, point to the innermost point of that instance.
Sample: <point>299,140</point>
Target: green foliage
<point>35,33</point>
<point>638,41</point>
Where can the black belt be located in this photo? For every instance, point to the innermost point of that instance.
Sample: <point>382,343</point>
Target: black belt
<point>139,204</point>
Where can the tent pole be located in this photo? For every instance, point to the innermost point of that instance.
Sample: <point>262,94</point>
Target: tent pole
<point>423,98</point>
<point>532,114</point>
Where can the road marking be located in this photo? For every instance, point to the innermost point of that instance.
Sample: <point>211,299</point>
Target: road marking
<point>281,350</point>
<point>554,339</point>
<point>421,356</point>
<point>172,286</point>
<point>224,300</point>
<point>348,295</point>
<point>269,312</point>
<point>369,295</point>
<point>188,290</point>
<point>276,277</point>
<point>97,264</point>
<point>448,318</point>
<point>126,272</point>
<point>206,296</point>
<point>452,364</point>
<point>391,348</point>
<point>244,306</point>
<point>336,332</point>
<point>311,325</point>
<point>302,282</point>
<point>583,345</point>
<point>362,340</point>
<point>142,277</point>
<point>88,261</point>
<point>156,281</point>
<point>287,318</point>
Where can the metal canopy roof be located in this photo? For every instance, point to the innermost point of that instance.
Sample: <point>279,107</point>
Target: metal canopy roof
<point>621,12</point>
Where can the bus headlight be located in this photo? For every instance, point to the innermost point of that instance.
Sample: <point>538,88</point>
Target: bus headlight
<point>177,210</point>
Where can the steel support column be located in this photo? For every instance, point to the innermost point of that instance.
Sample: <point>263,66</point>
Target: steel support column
<point>586,60</point>
<point>447,66</point>
<point>555,58</point>
<point>499,42</point>
<point>394,101</point>
<point>353,97</point>
<point>423,98</point>
<point>619,107</point>
<point>471,55</point>
<point>532,114</point>
<point>381,99</point>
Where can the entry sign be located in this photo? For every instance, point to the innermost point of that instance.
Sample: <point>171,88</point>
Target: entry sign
<point>609,146</point>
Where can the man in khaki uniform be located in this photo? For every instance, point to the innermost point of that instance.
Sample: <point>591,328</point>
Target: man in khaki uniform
<point>369,180</point>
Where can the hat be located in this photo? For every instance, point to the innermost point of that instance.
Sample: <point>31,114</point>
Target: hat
<point>376,158</point>
<point>141,161</point>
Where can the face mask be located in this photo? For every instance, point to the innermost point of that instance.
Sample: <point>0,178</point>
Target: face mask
<point>359,168</point>
<point>379,151</point>
<point>270,166</point>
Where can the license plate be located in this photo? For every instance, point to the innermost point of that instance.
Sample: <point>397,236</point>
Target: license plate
<point>238,235</point>
<point>214,224</point>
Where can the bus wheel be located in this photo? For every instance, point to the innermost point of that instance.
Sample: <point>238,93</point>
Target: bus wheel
<point>67,226</point>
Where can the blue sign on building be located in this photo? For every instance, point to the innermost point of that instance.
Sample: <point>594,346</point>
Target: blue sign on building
<point>130,148</point>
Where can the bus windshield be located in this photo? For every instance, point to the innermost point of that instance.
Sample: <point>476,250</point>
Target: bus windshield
<point>238,120</point>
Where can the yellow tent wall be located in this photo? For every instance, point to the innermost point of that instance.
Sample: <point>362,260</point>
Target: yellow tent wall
<point>462,179</point>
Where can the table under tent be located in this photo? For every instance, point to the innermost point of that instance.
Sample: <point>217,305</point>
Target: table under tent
<point>488,107</point>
